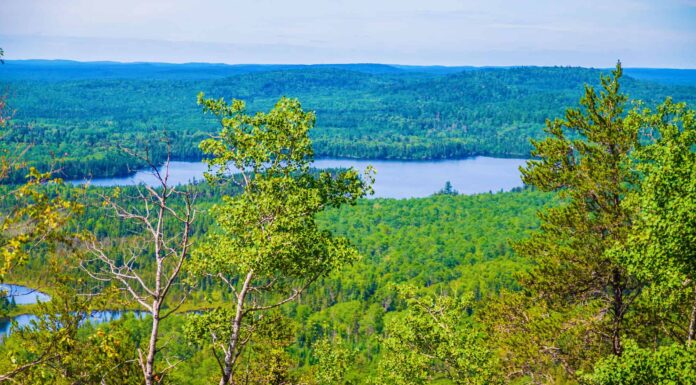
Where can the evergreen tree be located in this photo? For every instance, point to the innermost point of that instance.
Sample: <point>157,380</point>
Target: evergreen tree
<point>578,294</point>
<point>447,190</point>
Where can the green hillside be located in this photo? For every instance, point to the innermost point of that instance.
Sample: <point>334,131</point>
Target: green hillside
<point>363,111</point>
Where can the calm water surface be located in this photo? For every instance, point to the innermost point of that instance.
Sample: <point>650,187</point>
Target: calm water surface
<point>96,317</point>
<point>21,295</point>
<point>25,296</point>
<point>394,179</point>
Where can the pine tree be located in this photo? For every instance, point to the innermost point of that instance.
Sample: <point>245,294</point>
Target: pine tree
<point>577,296</point>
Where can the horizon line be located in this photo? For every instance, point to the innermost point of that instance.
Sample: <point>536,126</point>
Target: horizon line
<point>394,65</point>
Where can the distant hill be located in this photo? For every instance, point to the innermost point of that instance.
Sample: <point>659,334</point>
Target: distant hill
<point>61,70</point>
<point>80,110</point>
<point>686,77</point>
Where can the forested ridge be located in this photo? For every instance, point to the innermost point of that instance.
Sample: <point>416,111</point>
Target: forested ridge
<point>271,272</point>
<point>80,112</point>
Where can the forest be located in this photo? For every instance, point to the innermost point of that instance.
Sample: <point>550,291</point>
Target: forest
<point>272,272</point>
<point>77,112</point>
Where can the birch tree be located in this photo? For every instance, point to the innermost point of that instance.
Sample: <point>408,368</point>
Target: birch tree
<point>267,248</point>
<point>147,265</point>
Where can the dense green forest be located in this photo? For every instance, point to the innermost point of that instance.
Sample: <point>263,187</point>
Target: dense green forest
<point>80,112</point>
<point>270,272</point>
<point>451,243</point>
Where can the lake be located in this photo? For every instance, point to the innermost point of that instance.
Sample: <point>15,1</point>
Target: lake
<point>23,295</point>
<point>394,179</point>
<point>95,317</point>
<point>26,296</point>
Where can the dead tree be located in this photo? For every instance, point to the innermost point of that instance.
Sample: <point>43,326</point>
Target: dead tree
<point>149,268</point>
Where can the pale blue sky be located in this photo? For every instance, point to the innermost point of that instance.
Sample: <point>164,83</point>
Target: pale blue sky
<point>657,33</point>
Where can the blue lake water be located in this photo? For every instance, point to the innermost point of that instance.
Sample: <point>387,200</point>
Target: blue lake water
<point>95,317</point>
<point>23,295</point>
<point>26,296</point>
<point>394,179</point>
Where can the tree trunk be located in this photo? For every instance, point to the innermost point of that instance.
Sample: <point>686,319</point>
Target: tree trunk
<point>232,346</point>
<point>692,321</point>
<point>152,347</point>
<point>618,312</point>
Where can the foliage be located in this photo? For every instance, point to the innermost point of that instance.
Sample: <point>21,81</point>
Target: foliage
<point>660,251</point>
<point>266,359</point>
<point>673,364</point>
<point>334,359</point>
<point>434,339</point>
<point>660,246</point>
<point>268,248</point>
<point>38,218</point>
<point>54,349</point>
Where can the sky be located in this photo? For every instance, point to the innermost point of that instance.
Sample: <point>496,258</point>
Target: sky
<point>590,33</point>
